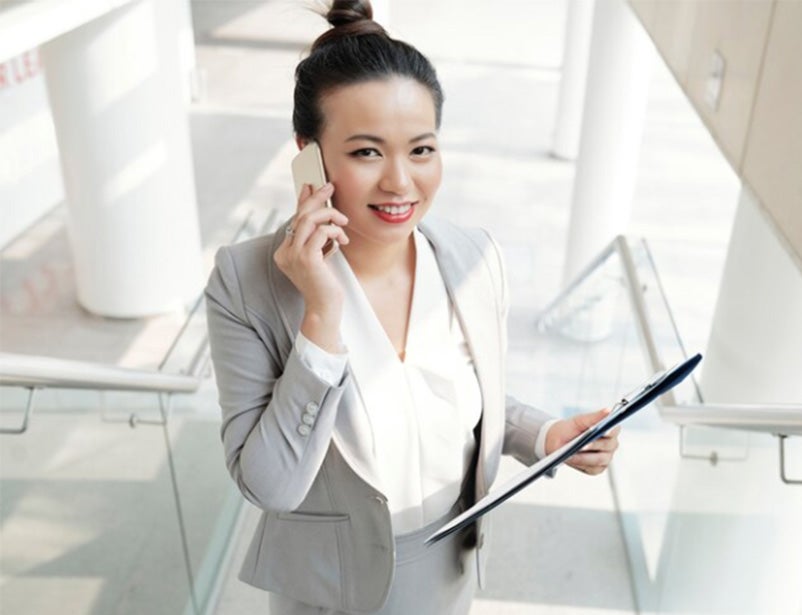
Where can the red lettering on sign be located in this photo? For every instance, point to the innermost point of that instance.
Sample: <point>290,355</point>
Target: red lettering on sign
<point>20,69</point>
<point>15,76</point>
<point>28,65</point>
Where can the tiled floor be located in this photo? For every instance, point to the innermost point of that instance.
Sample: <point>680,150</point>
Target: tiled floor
<point>558,547</point>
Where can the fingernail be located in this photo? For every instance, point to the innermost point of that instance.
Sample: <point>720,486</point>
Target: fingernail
<point>327,188</point>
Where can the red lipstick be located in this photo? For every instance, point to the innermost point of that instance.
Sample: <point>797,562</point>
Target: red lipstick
<point>394,213</point>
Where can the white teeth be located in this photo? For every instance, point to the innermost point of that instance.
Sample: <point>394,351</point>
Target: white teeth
<point>394,210</point>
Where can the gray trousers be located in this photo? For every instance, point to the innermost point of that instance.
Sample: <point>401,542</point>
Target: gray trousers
<point>436,580</point>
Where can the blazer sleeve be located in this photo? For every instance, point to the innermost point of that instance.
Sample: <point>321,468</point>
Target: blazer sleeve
<point>522,422</point>
<point>277,414</point>
<point>521,428</point>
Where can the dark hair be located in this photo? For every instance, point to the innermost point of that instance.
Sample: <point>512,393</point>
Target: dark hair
<point>356,49</point>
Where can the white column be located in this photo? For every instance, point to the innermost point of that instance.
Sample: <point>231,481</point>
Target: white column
<point>116,96</point>
<point>755,350</point>
<point>621,56</point>
<point>578,29</point>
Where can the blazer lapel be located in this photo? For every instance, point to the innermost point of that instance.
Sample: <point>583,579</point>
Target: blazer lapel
<point>470,285</point>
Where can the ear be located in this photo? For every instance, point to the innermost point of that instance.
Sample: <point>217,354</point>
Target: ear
<point>301,143</point>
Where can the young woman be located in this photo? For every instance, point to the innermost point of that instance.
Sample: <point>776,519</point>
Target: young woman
<point>363,392</point>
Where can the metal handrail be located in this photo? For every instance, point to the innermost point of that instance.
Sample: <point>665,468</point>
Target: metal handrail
<point>777,419</point>
<point>34,371</point>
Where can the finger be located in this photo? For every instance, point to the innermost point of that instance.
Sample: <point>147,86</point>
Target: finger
<point>313,242</point>
<point>305,224</point>
<point>609,441</point>
<point>311,200</point>
<point>598,450</point>
<point>605,443</point>
<point>584,421</point>
<point>306,192</point>
<point>289,234</point>
<point>592,463</point>
<point>325,233</point>
<point>324,215</point>
<point>611,435</point>
<point>602,444</point>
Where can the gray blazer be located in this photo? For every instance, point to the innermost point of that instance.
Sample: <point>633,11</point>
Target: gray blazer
<point>325,536</point>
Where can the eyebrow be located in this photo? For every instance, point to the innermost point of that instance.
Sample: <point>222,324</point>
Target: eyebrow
<point>375,139</point>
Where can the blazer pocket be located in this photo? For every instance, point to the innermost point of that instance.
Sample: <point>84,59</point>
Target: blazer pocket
<point>301,558</point>
<point>312,517</point>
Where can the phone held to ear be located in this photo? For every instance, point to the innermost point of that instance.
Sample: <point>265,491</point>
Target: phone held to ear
<point>307,168</point>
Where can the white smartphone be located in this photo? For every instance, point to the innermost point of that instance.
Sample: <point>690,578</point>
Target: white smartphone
<point>307,168</point>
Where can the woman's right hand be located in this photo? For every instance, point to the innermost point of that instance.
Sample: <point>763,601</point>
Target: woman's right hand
<point>300,257</point>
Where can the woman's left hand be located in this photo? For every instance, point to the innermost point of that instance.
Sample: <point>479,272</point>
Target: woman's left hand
<point>596,456</point>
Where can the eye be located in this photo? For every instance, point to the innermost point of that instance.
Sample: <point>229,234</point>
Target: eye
<point>423,150</point>
<point>365,152</point>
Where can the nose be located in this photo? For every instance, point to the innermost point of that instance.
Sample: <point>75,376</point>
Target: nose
<point>396,177</point>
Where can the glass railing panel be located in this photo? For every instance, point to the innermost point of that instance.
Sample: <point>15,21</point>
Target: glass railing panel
<point>190,343</point>
<point>604,368</point>
<point>108,508</point>
<point>87,514</point>
<point>661,321</point>
<point>599,357</point>
<point>208,499</point>
<point>593,333</point>
<point>688,520</point>
<point>210,503</point>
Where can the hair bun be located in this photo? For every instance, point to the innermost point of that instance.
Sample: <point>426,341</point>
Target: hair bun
<point>349,18</point>
<point>344,12</point>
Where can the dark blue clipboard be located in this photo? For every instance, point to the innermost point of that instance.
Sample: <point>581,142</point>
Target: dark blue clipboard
<point>656,386</point>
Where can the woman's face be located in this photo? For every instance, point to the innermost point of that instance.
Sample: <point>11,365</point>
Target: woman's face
<point>380,150</point>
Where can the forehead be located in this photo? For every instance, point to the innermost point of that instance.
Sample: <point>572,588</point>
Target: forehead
<point>377,107</point>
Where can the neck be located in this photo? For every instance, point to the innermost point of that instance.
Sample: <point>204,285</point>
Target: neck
<point>372,260</point>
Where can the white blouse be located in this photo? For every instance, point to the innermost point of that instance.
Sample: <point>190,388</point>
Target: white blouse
<point>422,411</point>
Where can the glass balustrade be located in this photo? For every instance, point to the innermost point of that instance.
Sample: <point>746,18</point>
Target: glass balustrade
<point>708,525</point>
<point>105,508</point>
<point>118,502</point>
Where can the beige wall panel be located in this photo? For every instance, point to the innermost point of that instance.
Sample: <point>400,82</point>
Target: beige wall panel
<point>646,12</point>
<point>738,30</point>
<point>673,30</point>
<point>773,158</point>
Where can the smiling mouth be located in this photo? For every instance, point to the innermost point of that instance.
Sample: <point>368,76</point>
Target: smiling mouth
<point>393,213</point>
<point>393,210</point>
